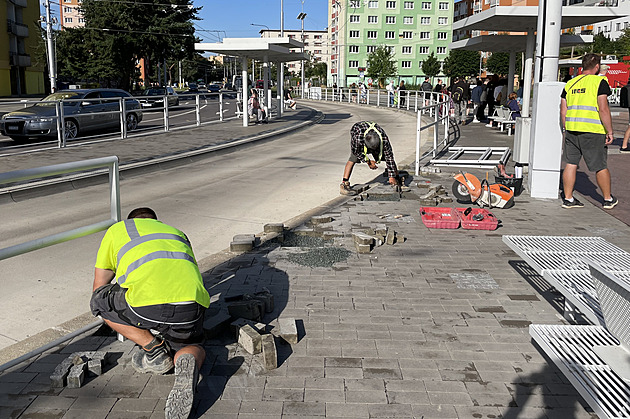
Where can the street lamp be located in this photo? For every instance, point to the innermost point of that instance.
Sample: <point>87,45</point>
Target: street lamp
<point>258,24</point>
<point>301,17</point>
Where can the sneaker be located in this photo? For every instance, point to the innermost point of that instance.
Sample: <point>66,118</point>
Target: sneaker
<point>345,189</point>
<point>180,400</point>
<point>574,204</point>
<point>489,125</point>
<point>476,121</point>
<point>156,361</point>
<point>624,149</point>
<point>610,204</point>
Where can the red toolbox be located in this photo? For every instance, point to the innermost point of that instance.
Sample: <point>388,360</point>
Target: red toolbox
<point>439,217</point>
<point>477,219</point>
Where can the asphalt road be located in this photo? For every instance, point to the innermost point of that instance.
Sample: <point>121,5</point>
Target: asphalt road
<point>229,193</point>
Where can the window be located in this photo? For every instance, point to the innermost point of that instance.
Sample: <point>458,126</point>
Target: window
<point>67,1</point>
<point>353,64</point>
<point>372,19</point>
<point>353,49</point>
<point>372,34</point>
<point>390,20</point>
<point>443,5</point>
<point>373,4</point>
<point>319,51</point>
<point>405,64</point>
<point>371,48</point>
<point>407,35</point>
<point>441,50</point>
<point>618,26</point>
<point>355,19</point>
<point>355,4</point>
<point>318,37</point>
<point>408,5</point>
<point>426,5</point>
<point>442,21</point>
<point>425,35</point>
<point>442,35</point>
<point>67,20</point>
<point>390,4</point>
<point>423,50</point>
<point>408,20</point>
<point>354,34</point>
<point>81,20</point>
<point>425,20</point>
<point>67,9</point>
<point>390,34</point>
<point>406,50</point>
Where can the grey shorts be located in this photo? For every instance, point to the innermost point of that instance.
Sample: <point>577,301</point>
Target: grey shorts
<point>588,145</point>
<point>179,324</point>
<point>353,158</point>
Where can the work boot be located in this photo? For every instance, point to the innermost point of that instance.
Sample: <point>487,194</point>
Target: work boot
<point>345,189</point>
<point>180,400</point>
<point>155,360</point>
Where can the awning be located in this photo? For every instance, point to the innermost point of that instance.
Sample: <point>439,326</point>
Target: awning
<point>275,49</point>
<point>509,43</point>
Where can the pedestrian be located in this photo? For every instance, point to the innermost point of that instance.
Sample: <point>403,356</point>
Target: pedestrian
<point>588,130</point>
<point>438,86</point>
<point>426,85</point>
<point>475,96</point>
<point>369,143</point>
<point>401,93</point>
<point>624,102</point>
<point>460,94</point>
<point>254,107</point>
<point>363,93</point>
<point>492,83</point>
<point>157,287</point>
<point>390,92</point>
<point>513,106</point>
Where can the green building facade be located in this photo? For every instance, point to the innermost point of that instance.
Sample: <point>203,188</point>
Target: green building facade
<point>413,28</point>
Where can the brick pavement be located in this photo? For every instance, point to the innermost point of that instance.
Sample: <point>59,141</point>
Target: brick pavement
<point>435,327</point>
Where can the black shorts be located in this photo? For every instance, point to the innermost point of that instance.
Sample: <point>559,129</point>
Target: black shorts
<point>589,145</point>
<point>179,324</point>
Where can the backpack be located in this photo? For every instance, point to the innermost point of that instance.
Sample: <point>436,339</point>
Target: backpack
<point>623,97</point>
<point>457,94</point>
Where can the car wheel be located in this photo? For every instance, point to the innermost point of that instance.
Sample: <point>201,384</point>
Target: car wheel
<point>177,102</point>
<point>132,122</point>
<point>71,129</point>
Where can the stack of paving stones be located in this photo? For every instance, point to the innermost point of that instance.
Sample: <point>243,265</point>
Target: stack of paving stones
<point>433,327</point>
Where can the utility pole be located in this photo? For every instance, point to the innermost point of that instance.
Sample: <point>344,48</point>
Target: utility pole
<point>52,67</point>
<point>301,17</point>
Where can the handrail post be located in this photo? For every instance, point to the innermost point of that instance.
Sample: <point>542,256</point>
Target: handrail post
<point>407,93</point>
<point>197,110</point>
<point>220,106</point>
<point>418,124</point>
<point>367,93</point>
<point>325,94</point>
<point>166,114</point>
<point>416,106</point>
<point>378,98</point>
<point>123,117</point>
<point>59,124</point>
<point>114,190</point>
<point>63,124</point>
<point>436,126</point>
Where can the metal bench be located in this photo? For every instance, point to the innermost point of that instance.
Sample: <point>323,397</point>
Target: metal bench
<point>560,261</point>
<point>596,359</point>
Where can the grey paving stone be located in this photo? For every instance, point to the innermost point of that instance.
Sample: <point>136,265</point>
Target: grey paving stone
<point>135,405</point>
<point>347,410</point>
<point>301,409</point>
<point>261,408</point>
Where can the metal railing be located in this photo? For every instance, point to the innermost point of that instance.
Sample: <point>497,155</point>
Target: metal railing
<point>58,169</point>
<point>434,107</point>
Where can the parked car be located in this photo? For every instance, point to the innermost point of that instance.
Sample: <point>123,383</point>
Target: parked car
<point>83,109</point>
<point>202,85</point>
<point>157,97</point>
<point>214,88</point>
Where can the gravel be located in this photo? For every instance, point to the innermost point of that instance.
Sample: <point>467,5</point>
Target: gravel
<point>302,240</point>
<point>320,257</point>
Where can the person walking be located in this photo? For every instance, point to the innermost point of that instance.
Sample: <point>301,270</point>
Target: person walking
<point>157,286</point>
<point>369,143</point>
<point>401,93</point>
<point>460,94</point>
<point>475,96</point>
<point>391,90</point>
<point>587,126</point>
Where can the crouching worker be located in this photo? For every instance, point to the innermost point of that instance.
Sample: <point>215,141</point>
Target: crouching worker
<point>369,144</point>
<point>157,287</point>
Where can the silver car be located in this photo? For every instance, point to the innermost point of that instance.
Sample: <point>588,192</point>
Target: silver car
<point>83,109</point>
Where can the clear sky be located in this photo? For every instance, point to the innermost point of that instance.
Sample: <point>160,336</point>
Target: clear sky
<point>233,18</point>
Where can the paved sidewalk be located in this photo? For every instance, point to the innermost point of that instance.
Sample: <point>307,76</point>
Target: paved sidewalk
<point>432,327</point>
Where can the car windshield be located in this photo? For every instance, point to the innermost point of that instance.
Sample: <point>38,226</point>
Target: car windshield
<point>50,99</point>
<point>155,92</point>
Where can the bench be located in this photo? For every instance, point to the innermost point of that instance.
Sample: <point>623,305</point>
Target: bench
<point>503,117</point>
<point>596,359</point>
<point>560,261</point>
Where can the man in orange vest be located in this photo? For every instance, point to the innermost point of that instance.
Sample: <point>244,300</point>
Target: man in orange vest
<point>587,127</point>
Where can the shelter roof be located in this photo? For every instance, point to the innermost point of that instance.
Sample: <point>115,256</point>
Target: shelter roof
<point>275,49</point>
<point>509,43</point>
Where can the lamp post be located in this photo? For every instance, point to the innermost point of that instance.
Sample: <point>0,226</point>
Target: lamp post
<point>301,17</point>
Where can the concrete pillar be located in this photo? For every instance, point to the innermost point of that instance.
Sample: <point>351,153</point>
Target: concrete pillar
<point>245,90</point>
<point>511,71</point>
<point>527,73</point>
<point>548,40</point>
<point>280,89</point>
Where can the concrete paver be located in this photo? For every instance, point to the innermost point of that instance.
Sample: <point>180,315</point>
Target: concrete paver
<point>391,333</point>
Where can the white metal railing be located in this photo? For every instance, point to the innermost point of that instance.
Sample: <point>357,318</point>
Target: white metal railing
<point>434,107</point>
<point>58,169</point>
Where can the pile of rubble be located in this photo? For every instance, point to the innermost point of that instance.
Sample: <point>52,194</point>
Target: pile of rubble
<point>366,240</point>
<point>73,370</point>
<point>435,193</point>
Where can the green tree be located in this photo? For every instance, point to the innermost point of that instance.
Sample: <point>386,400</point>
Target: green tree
<point>381,64</point>
<point>461,63</point>
<point>603,45</point>
<point>316,70</point>
<point>499,63</point>
<point>431,66</point>
<point>623,43</point>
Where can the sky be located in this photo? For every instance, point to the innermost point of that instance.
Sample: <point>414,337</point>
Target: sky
<point>233,18</point>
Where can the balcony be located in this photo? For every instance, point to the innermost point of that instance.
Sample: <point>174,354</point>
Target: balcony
<point>19,60</point>
<point>17,29</point>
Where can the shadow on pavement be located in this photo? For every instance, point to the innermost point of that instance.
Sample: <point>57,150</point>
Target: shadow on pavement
<point>332,118</point>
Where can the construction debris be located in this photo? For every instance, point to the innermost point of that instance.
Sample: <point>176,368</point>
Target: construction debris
<point>72,370</point>
<point>288,330</point>
<point>242,243</point>
<point>270,356</point>
<point>273,228</point>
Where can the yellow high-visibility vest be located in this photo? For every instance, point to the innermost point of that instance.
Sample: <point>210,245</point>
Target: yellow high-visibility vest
<point>582,108</point>
<point>154,261</point>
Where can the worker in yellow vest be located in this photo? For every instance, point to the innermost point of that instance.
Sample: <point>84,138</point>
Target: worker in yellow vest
<point>587,127</point>
<point>157,287</point>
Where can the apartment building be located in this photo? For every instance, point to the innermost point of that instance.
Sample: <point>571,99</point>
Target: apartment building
<point>315,44</point>
<point>69,14</point>
<point>411,28</point>
<point>21,72</point>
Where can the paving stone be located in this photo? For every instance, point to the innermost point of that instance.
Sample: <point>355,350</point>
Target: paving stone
<point>250,339</point>
<point>77,375</point>
<point>288,330</point>
<point>273,228</point>
<point>270,356</point>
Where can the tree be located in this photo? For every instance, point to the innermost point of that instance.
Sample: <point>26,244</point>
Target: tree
<point>499,63</point>
<point>316,70</point>
<point>381,64</point>
<point>461,63</point>
<point>603,45</point>
<point>431,66</point>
